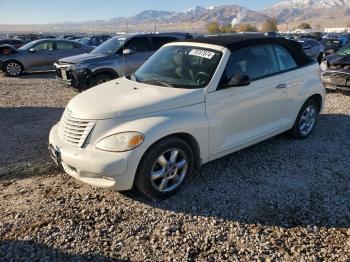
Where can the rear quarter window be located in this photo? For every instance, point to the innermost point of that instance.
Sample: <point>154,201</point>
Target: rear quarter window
<point>285,59</point>
<point>64,45</point>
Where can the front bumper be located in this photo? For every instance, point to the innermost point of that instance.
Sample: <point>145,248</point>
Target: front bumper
<point>69,75</point>
<point>92,166</point>
<point>338,79</point>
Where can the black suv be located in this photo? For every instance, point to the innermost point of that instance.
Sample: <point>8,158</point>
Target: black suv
<point>119,56</point>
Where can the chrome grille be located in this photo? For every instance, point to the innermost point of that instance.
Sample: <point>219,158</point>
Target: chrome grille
<point>74,131</point>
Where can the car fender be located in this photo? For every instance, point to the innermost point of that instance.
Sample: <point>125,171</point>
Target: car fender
<point>110,66</point>
<point>190,120</point>
<point>105,70</point>
<point>309,85</point>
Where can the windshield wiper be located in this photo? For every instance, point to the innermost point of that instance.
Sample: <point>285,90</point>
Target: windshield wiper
<point>163,83</point>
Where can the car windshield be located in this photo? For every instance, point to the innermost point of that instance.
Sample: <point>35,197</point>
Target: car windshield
<point>179,66</point>
<point>344,51</point>
<point>28,46</point>
<point>109,47</point>
<point>84,40</point>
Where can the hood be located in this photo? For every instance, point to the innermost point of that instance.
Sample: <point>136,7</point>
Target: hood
<point>336,59</point>
<point>126,98</point>
<point>84,58</point>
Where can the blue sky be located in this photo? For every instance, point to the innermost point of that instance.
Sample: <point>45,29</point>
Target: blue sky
<point>52,11</point>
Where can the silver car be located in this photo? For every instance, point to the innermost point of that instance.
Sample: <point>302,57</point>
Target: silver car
<point>38,55</point>
<point>313,48</point>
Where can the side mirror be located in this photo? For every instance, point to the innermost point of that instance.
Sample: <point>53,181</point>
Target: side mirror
<point>32,50</point>
<point>239,80</point>
<point>127,52</point>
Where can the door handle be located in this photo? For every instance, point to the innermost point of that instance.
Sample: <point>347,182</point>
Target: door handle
<point>282,86</point>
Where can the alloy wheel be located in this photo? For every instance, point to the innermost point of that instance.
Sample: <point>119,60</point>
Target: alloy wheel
<point>308,120</point>
<point>169,170</point>
<point>13,69</point>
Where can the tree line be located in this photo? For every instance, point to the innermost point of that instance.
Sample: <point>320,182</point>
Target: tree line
<point>270,25</point>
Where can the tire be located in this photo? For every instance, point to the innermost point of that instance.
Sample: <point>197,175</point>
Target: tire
<point>158,177</point>
<point>306,120</point>
<point>100,79</point>
<point>12,68</point>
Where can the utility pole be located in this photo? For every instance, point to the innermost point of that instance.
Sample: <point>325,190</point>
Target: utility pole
<point>127,26</point>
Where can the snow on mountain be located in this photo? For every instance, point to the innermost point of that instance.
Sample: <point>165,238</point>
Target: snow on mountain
<point>294,10</point>
<point>312,4</point>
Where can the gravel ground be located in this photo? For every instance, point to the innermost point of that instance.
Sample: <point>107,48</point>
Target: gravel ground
<point>280,200</point>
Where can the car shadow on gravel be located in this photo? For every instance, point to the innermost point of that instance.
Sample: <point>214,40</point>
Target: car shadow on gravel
<point>24,133</point>
<point>38,75</point>
<point>16,250</point>
<point>279,182</point>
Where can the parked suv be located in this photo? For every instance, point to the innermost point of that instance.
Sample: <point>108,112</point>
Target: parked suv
<point>190,103</point>
<point>116,57</point>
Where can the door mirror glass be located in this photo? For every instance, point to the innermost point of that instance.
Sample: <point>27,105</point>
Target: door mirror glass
<point>127,52</point>
<point>239,80</point>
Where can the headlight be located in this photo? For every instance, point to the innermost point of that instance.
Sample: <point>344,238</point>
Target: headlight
<point>121,142</point>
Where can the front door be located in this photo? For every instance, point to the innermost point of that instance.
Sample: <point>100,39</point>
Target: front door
<point>240,114</point>
<point>41,55</point>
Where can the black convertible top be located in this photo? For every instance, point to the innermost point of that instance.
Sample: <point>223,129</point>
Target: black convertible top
<point>238,41</point>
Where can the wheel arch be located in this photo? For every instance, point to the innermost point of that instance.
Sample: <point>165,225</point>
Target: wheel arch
<point>189,139</point>
<point>318,99</point>
<point>107,71</point>
<point>12,60</point>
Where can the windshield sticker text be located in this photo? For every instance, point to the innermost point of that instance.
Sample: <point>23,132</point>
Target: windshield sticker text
<point>202,53</point>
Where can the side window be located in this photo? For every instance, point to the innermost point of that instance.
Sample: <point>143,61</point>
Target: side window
<point>255,62</point>
<point>285,59</point>
<point>45,46</point>
<point>159,41</point>
<point>139,45</point>
<point>64,45</point>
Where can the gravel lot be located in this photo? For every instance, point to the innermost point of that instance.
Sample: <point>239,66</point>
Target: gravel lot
<point>280,200</point>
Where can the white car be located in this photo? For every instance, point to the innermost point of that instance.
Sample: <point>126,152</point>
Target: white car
<point>192,102</point>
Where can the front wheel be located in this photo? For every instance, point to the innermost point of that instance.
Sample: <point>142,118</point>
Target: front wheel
<point>164,168</point>
<point>12,68</point>
<point>306,120</point>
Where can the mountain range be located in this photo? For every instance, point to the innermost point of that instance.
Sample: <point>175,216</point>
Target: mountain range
<point>198,14</point>
<point>301,10</point>
<point>288,12</point>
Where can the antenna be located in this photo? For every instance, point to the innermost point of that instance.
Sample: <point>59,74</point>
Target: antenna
<point>123,69</point>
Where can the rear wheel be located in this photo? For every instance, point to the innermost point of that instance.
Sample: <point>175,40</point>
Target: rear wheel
<point>306,120</point>
<point>164,168</point>
<point>12,68</point>
<point>100,79</point>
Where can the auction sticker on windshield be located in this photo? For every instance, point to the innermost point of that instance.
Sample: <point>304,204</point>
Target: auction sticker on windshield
<point>202,53</point>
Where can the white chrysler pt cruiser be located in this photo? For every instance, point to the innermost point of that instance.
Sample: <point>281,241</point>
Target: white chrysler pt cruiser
<point>192,102</point>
